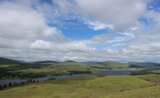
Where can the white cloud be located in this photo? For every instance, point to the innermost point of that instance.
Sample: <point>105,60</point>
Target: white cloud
<point>96,25</point>
<point>76,46</point>
<point>22,26</point>
<point>111,37</point>
<point>122,14</point>
<point>18,22</point>
<point>69,46</point>
<point>40,44</point>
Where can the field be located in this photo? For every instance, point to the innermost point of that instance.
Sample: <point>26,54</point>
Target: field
<point>145,86</point>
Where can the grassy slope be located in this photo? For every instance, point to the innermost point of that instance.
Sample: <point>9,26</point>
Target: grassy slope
<point>90,87</point>
<point>148,92</point>
<point>111,64</point>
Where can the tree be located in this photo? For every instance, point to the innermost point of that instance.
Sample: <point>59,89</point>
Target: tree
<point>5,86</point>
<point>33,81</point>
<point>10,84</point>
<point>1,87</point>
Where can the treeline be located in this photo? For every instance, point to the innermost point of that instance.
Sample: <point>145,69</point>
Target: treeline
<point>12,84</point>
<point>79,72</point>
<point>10,75</point>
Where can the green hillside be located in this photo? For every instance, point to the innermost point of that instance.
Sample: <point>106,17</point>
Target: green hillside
<point>90,87</point>
<point>148,92</point>
<point>8,61</point>
<point>113,65</point>
<point>144,64</point>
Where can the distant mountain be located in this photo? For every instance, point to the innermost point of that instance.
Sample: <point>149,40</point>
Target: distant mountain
<point>44,62</point>
<point>70,61</point>
<point>144,64</point>
<point>8,61</point>
<point>105,64</point>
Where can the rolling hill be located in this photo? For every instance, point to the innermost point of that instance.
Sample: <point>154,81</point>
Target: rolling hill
<point>89,87</point>
<point>8,61</point>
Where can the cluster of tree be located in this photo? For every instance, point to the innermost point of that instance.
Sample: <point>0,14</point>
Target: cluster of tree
<point>79,72</point>
<point>10,84</point>
<point>8,75</point>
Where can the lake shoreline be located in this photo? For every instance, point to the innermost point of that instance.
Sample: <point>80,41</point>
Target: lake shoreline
<point>15,82</point>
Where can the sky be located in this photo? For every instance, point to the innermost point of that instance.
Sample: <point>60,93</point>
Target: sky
<point>80,30</point>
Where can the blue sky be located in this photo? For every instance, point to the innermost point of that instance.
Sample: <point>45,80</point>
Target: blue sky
<point>80,30</point>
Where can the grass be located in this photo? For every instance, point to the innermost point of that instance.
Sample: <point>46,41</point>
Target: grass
<point>155,70</point>
<point>111,64</point>
<point>90,87</point>
<point>148,92</point>
<point>55,68</point>
<point>152,78</point>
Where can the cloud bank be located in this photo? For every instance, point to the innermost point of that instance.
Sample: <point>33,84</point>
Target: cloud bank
<point>33,30</point>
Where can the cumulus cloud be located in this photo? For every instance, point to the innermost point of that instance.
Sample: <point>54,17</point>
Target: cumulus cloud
<point>112,37</point>
<point>17,21</point>
<point>28,29</point>
<point>22,27</point>
<point>122,14</point>
<point>40,44</point>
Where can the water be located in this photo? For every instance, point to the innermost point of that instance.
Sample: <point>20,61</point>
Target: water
<point>7,83</point>
<point>112,73</point>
